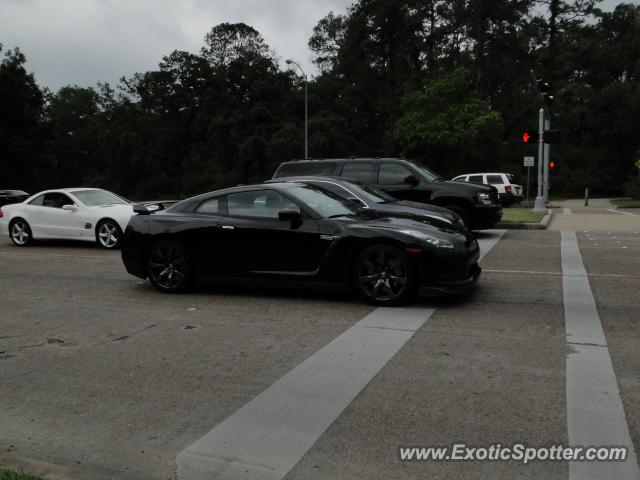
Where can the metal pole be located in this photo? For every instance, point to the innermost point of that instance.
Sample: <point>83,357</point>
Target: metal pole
<point>539,203</point>
<point>528,171</point>
<point>547,159</point>
<point>306,120</point>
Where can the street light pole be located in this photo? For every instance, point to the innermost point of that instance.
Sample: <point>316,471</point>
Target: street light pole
<point>306,108</point>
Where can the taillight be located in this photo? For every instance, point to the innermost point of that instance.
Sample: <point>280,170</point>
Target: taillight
<point>1,214</point>
<point>507,188</point>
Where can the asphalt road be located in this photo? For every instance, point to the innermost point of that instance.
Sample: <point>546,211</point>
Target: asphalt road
<point>102,375</point>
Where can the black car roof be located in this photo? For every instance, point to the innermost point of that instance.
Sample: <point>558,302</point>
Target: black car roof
<point>239,188</point>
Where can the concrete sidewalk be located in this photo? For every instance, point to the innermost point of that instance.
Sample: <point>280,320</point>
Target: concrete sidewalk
<point>573,215</point>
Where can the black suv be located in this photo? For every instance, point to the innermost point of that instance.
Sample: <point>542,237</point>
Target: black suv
<point>476,204</point>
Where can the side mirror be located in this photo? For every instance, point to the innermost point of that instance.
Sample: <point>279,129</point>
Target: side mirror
<point>411,180</point>
<point>73,208</point>
<point>290,216</point>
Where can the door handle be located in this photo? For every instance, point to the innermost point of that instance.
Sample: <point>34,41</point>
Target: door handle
<point>228,227</point>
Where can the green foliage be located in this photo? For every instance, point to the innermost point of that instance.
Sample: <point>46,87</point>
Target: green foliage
<point>446,82</point>
<point>632,187</point>
<point>447,112</point>
<point>17,475</point>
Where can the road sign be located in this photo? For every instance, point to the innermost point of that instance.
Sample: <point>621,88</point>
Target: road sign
<point>530,161</point>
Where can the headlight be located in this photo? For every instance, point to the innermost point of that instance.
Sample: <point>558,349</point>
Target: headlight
<point>483,198</point>
<point>430,239</point>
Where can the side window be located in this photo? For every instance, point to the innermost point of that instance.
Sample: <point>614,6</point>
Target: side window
<point>476,179</point>
<point>495,180</point>
<point>362,171</point>
<point>393,174</point>
<point>37,201</point>
<point>56,200</point>
<point>210,207</point>
<point>461,178</point>
<point>258,203</point>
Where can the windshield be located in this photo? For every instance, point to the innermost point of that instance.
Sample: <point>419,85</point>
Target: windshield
<point>93,198</point>
<point>429,174</point>
<point>325,203</point>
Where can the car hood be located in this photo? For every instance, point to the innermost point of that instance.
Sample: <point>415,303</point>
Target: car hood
<point>418,208</point>
<point>392,224</point>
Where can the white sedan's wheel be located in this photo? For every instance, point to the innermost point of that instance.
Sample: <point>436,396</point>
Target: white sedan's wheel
<point>20,233</point>
<point>108,234</point>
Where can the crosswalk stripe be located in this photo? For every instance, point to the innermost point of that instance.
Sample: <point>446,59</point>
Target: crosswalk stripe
<point>595,414</point>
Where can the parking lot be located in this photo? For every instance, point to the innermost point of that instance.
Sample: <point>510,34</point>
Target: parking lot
<point>102,376</point>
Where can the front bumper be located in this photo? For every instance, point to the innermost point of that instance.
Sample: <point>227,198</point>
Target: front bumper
<point>450,275</point>
<point>452,287</point>
<point>486,216</point>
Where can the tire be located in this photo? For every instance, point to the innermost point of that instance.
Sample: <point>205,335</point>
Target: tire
<point>384,275</point>
<point>20,232</point>
<point>169,268</point>
<point>466,218</point>
<point>108,234</point>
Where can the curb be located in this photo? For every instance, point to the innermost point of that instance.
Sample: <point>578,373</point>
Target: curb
<point>528,226</point>
<point>627,208</point>
<point>49,471</point>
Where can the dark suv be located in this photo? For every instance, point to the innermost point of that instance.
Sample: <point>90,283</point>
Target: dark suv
<point>476,204</point>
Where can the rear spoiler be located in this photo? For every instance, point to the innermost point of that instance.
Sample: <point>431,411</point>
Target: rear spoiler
<point>147,208</point>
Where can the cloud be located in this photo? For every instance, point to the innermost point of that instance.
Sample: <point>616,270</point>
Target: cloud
<point>86,41</point>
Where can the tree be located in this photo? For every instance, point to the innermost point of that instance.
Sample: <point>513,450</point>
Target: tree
<point>444,116</point>
<point>23,138</point>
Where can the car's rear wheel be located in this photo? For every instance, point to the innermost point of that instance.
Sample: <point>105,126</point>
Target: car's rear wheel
<point>384,275</point>
<point>108,234</point>
<point>20,232</point>
<point>169,268</point>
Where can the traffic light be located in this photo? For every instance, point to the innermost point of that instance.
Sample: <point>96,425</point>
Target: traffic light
<point>545,92</point>
<point>551,136</point>
<point>529,136</point>
<point>552,164</point>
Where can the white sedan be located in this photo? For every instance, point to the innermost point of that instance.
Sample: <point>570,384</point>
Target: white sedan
<point>89,214</point>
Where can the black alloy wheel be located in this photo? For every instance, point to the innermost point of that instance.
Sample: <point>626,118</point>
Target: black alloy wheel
<point>168,267</point>
<point>384,275</point>
<point>20,233</point>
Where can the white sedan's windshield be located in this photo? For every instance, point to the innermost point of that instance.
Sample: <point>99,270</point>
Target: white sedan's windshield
<point>325,203</point>
<point>93,198</point>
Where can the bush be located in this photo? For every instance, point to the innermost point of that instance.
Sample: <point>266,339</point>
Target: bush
<point>632,187</point>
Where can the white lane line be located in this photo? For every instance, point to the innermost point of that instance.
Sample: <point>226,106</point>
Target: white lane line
<point>622,212</point>
<point>595,414</point>
<point>488,240</point>
<point>265,438</point>
<point>271,433</point>
<point>567,211</point>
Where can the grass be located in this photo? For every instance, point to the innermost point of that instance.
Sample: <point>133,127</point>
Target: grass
<point>14,475</point>
<point>626,202</point>
<point>521,215</point>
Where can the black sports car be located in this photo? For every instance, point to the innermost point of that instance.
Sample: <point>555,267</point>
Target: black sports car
<point>298,233</point>
<point>374,199</point>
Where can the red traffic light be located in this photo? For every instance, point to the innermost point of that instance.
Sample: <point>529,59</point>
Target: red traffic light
<point>552,164</point>
<point>529,137</point>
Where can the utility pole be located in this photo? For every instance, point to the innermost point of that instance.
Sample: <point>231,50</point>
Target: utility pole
<point>539,203</point>
<point>547,161</point>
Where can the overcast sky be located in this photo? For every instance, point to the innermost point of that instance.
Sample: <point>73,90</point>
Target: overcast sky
<point>85,41</point>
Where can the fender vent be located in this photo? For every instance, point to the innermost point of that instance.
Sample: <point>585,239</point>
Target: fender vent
<point>87,226</point>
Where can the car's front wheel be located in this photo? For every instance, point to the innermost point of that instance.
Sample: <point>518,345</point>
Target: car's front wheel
<point>169,268</point>
<point>384,275</point>
<point>108,234</point>
<point>20,232</point>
